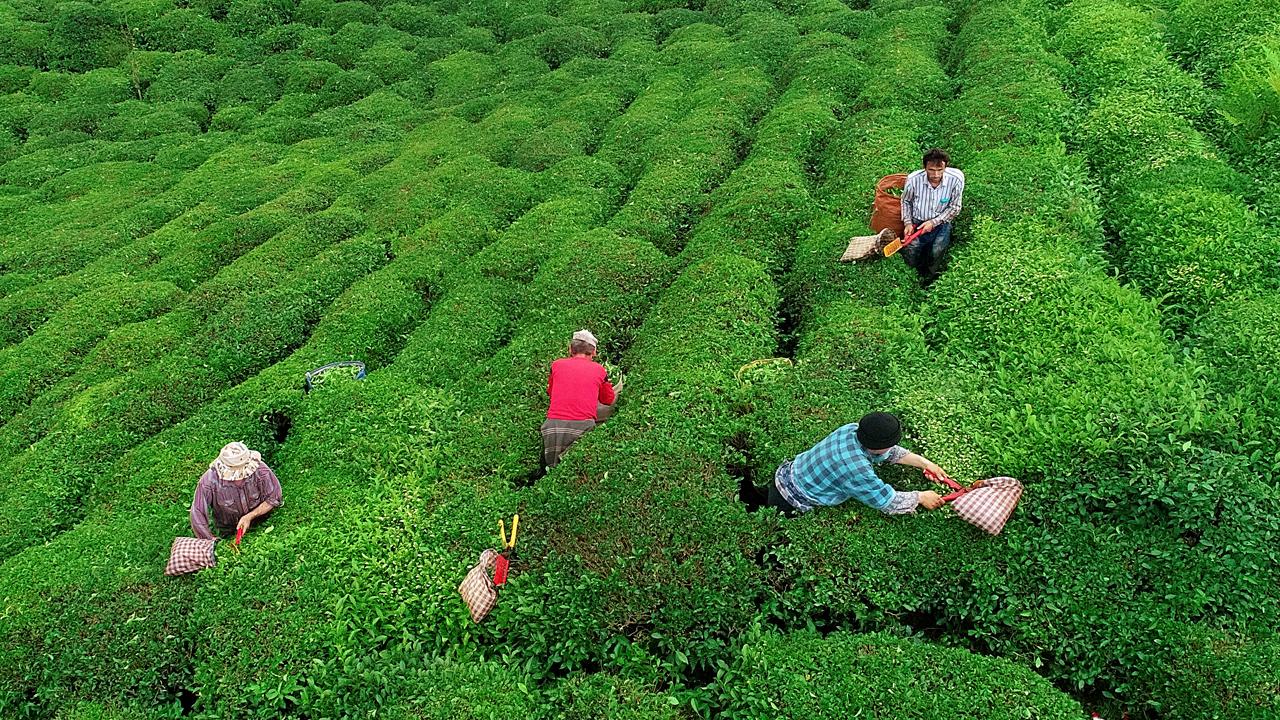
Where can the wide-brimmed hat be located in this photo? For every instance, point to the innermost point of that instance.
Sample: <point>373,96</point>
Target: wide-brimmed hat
<point>236,462</point>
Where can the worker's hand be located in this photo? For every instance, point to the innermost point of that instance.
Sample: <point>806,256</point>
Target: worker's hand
<point>977,484</point>
<point>244,524</point>
<point>927,226</point>
<point>930,499</point>
<point>931,468</point>
<point>908,229</point>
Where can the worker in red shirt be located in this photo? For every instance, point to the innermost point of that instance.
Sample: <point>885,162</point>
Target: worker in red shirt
<point>579,388</point>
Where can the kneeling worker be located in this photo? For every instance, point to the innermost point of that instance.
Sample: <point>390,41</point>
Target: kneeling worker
<point>239,487</point>
<point>579,387</point>
<point>840,467</point>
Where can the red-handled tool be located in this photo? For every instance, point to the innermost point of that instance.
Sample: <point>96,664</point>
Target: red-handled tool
<point>959,489</point>
<point>897,245</point>
<point>500,570</point>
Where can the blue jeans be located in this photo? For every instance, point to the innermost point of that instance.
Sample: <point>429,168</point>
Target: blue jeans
<point>925,252</point>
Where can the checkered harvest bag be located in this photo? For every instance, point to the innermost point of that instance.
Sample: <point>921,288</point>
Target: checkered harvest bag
<point>477,589</point>
<point>989,505</point>
<point>190,554</point>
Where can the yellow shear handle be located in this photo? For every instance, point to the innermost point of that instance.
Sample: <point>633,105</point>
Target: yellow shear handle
<point>515,527</point>
<point>502,531</point>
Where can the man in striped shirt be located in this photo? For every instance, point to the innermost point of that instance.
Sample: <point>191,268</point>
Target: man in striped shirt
<point>931,199</point>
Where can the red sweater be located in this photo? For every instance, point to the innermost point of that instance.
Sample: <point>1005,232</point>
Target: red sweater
<point>576,385</point>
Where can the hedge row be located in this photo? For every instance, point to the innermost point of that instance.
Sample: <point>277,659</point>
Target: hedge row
<point>367,322</point>
<point>219,221</point>
<point>1207,37</point>
<point>250,329</point>
<point>483,431</point>
<point>54,351</point>
<point>809,676</point>
<point>1184,235</point>
<point>692,156</point>
<point>1100,544</point>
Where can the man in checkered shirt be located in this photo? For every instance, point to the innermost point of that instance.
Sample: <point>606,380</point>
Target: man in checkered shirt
<point>842,467</point>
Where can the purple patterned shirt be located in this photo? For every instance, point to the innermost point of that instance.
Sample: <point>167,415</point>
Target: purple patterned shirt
<point>231,501</point>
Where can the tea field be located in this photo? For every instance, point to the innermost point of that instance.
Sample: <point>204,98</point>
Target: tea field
<point>201,200</point>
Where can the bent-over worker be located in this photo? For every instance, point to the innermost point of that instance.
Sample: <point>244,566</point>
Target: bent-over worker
<point>841,467</point>
<point>240,489</point>
<point>931,200</point>
<point>578,387</point>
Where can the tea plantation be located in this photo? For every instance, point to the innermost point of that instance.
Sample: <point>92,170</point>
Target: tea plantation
<point>201,200</point>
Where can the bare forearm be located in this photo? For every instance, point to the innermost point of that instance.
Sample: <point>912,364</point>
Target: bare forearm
<point>262,509</point>
<point>914,460</point>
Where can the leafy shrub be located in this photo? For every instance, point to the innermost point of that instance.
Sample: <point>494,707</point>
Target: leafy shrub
<point>1207,36</point>
<point>388,62</point>
<point>351,11</point>
<point>181,29</point>
<point>1109,46</point>
<point>807,676</point>
<point>84,36</point>
<point>1208,673</point>
<point>52,351</point>
<point>252,17</point>
<point>347,86</point>
<point>461,76</point>
<point>1024,113</point>
<point>1191,247</point>
<point>1228,335</point>
<point>559,45</point>
<point>189,75</point>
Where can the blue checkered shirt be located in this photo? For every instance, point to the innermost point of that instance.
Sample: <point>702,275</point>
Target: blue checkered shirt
<point>839,468</point>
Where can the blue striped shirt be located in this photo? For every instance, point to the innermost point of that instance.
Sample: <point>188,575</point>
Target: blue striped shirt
<point>839,468</point>
<point>922,201</point>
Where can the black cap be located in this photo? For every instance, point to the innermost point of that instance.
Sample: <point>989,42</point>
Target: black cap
<point>878,430</point>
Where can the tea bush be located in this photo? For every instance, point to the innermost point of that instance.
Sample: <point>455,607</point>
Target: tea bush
<point>202,201</point>
<point>808,676</point>
<point>1206,36</point>
<point>1136,137</point>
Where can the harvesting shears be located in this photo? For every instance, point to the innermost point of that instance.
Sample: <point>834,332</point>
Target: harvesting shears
<point>508,549</point>
<point>944,479</point>
<point>239,534</point>
<point>897,245</point>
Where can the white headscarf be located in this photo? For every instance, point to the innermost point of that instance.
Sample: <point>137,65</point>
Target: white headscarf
<point>236,462</point>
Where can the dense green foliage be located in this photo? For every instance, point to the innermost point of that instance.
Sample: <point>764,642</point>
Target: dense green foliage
<point>204,200</point>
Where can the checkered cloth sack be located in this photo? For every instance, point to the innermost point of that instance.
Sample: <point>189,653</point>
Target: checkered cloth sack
<point>989,505</point>
<point>477,589</point>
<point>190,554</point>
<point>866,246</point>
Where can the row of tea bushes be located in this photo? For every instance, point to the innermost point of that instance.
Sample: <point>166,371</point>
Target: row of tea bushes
<point>369,321</point>
<point>1101,480</point>
<point>1183,234</point>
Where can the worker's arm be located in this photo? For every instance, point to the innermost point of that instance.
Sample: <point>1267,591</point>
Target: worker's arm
<point>200,509</point>
<point>263,508</point>
<point>607,394</point>
<point>919,461</point>
<point>272,497</point>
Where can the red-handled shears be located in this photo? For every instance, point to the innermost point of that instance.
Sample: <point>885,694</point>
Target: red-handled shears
<point>897,245</point>
<point>959,489</point>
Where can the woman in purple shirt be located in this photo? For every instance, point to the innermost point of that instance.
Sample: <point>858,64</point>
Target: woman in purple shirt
<point>238,487</point>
